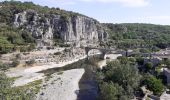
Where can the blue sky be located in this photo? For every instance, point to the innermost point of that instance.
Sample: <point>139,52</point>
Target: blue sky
<point>116,11</point>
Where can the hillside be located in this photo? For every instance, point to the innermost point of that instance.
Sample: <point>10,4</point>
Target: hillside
<point>28,23</point>
<point>139,35</point>
<point>24,26</point>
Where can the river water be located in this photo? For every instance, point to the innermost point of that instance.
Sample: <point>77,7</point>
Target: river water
<point>88,85</point>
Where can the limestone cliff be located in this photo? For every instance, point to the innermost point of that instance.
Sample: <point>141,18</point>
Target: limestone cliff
<point>74,29</point>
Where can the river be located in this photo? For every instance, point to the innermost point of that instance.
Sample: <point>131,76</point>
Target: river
<point>88,85</point>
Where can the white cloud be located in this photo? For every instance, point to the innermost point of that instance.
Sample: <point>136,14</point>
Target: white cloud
<point>128,3</point>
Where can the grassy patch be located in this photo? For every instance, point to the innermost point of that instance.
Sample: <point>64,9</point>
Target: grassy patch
<point>48,76</point>
<point>14,78</point>
<point>60,73</point>
<point>34,86</point>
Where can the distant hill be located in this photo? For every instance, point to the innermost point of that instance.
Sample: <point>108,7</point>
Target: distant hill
<point>139,35</point>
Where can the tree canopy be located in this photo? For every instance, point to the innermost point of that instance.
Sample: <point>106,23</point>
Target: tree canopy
<point>119,76</point>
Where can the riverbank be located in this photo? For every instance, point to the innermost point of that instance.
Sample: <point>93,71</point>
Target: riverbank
<point>30,74</point>
<point>62,86</point>
<point>65,79</point>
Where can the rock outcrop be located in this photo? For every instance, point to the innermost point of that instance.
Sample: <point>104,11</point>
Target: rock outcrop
<point>74,29</point>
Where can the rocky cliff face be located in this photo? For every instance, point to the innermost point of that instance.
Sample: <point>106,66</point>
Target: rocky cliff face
<point>74,29</point>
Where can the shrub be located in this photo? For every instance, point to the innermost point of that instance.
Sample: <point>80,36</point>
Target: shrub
<point>110,91</point>
<point>144,50</point>
<point>57,53</point>
<point>15,63</point>
<point>140,60</point>
<point>31,46</point>
<point>123,60</point>
<point>23,49</point>
<point>149,66</point>
<point>18,56</point>
<point>154,84</point>
<point>13,93</point>
<point>3,66</point>
<point>30,62</point>
<point>64,45</point>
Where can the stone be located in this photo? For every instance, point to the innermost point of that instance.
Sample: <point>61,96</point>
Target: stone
<point>80,30</point>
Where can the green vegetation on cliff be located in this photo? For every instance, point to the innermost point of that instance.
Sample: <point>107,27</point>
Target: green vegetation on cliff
<point>20,38</point>
<point>9,8</point>
<point>12,39</point>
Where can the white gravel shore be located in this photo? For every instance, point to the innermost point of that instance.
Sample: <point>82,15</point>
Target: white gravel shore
<point>29,74</point>
<point>62,86</point>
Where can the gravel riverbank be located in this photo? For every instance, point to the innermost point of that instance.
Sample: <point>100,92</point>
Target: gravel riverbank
<point>62,86</point>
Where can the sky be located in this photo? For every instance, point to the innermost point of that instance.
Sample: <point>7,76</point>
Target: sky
<point>116,11</point>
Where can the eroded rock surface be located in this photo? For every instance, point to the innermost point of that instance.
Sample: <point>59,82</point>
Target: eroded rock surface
<point>76,28</point>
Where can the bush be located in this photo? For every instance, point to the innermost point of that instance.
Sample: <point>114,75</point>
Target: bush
<point>123,60</point>
<point>144,50</point>
<point>64,45</point>
<point>140,60</point>
<point>31,62</point>
<point>154,85</point>
<point>18,56</point>
<point>23,49</point>
<point>57,53</point>
<point>3,66</point>
<point>148,66</point>
<point>110,91</point>
<point>125,75</point>
<point>15,63</point>
<point>132,59</point>
<point>13,93</point>
<point>167,63</point>
<point>31,47</point>
<point>5,45</point>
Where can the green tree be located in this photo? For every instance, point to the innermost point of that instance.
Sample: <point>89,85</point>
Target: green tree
<point>110,91</point>
<point>5,45</point>
<point>123,60</point>
<point>154,84</point>
<point>149,66</point>
<point>140,60</point>
<point>27,37</point>
<point>125,75</point>
<point>167,63</point>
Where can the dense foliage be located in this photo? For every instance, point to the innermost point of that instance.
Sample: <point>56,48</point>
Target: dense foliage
<point>12,93</point>
<point>154,84</point>
<point>9,8</point>
<point>118,80</point>
<point>12,39</point>
<point>139,35</point>
<point>123,79</point>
